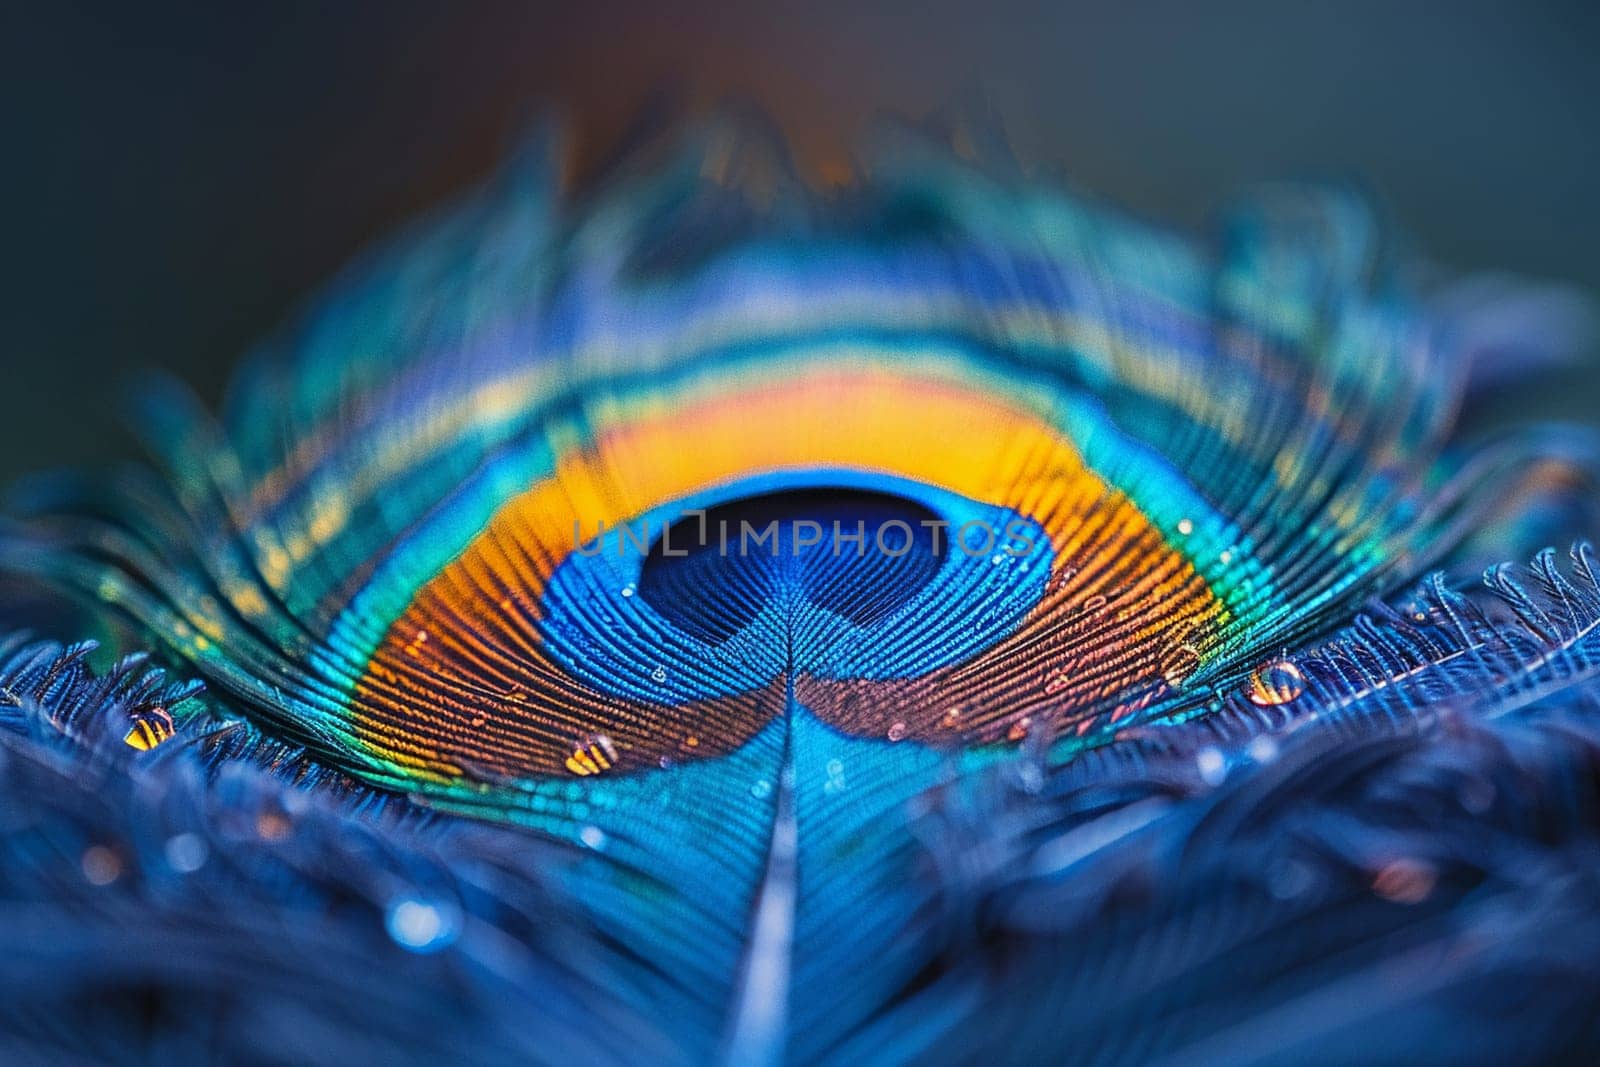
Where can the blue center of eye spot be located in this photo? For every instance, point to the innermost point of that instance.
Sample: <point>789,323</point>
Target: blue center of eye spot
<point>838,574</point>
<point>855,554</point>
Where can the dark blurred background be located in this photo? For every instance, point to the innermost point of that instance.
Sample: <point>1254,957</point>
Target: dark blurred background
<point>178,177</point>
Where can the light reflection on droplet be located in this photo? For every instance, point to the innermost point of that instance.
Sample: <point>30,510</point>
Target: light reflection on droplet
<point>1263,749</point>
<point>101,866</point>
<point>420,925</point>
<point>272,826</point>
<point>1405,881</point>
<point>1275,683</point>
<point>186,853</point>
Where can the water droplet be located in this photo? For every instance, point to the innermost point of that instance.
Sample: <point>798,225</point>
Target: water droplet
<point>1405,881</point>
<point>186,853</point>
<point>1185,527</point>
<point>951,719</point>
<point>1227,556</point>
<point>272,826</point>
<point>420,925</point>
<point>1263,749</point>
<point>101,866</point>
<point>593,837</point>
<point>629,589</point>
<point>998,558</point>
<point>658,675</point>
<point>1275,683</point>
<point>1019,729</point>
<point>761,789</point>
<point>665,763</point>
<point>1212,765</point>
<point>691,741</point>
<point>897,731</point>
<point>1288,879</point>
<point>150,728</point>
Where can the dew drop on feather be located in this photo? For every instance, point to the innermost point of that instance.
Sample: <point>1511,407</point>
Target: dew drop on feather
<point>101,865</point>
<point>1405,881</point>
<point>186,852</point>
<point>1276,683</point>
<point>419,925</point>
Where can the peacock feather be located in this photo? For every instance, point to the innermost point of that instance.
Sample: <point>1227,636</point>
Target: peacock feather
<point>699,615</point>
